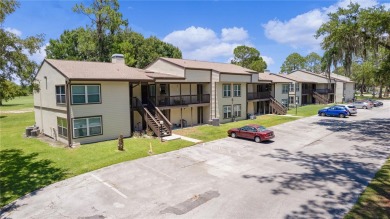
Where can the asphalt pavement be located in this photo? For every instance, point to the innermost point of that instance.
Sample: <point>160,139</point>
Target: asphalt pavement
<point>315,167</point>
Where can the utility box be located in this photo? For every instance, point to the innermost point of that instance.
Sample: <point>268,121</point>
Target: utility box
<point>215,122</point>
<point>28,131</point>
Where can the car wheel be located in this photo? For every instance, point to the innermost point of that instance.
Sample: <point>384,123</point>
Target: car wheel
<point>257,139</point>
<point>364,107</point>
<point>233,135</point>
<point>342,115</point>
<point>323,114</point>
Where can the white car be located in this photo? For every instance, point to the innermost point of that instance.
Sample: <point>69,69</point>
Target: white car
<point>362,105</point>
<point>351,108</point>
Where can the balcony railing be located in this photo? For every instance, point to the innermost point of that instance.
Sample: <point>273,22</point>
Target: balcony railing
<point>182,100</point>
<point>258,95</point>
<point>324,91</point>
<point>307,91</point>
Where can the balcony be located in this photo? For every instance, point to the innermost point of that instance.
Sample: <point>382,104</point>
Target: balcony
<point>258,95</point>
<point>324,91</point>
<point>182,100</point>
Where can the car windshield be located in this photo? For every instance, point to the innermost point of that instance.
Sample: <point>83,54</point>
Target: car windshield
<point>261,128</point>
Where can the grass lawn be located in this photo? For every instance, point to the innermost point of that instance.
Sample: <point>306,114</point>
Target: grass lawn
<point>27,164</point>
<point>308,110</point>
<point>369,96</point>
<point>374,202</point>
<point>18,103</point>
<point>210,133</point>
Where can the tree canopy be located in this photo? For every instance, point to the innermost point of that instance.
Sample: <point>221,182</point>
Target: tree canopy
<point>293,62</point>
<point>108,34</point>
<point>249,57</point>
<point>313,62</point>
<point>14,53</point>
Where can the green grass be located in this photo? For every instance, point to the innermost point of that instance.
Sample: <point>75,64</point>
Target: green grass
<point>210,133</point>
<point>369,96</point>
<point>18,103</point>
<point>27,164</point>
<point>308,110</point>
<point>374,202</point>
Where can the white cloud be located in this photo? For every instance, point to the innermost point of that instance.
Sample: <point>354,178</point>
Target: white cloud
<point>268,60</point>
<point>14,31</point>
<point>300,30</point>
<point>39,55</point>
<point>204,44</point>
<point>234,34</point>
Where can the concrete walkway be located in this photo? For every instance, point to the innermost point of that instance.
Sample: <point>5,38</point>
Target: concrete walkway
<point>315,167</point>
<point>186,138</point>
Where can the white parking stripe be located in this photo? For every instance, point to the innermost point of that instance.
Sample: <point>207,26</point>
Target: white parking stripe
<point>109,186</point>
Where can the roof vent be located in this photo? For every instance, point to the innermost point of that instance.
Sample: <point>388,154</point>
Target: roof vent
<point>118,58</point>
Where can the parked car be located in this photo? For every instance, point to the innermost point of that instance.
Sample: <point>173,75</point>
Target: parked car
<point>376,103</point>
<point>363,104</point>
<point>351,108</point>
<point>341,112</point>
<point>257,133</point>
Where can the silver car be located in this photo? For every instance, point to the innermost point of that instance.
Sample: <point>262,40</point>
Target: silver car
<point>362,105</point>
<point>351,108</point>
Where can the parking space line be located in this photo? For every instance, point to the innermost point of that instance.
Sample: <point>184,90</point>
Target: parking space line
<point>157,171</point>
<point>109,186</point>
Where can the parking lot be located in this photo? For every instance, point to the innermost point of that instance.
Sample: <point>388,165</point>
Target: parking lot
<point>314,167</point>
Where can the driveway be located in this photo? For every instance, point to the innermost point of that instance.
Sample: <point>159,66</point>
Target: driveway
<point>315,167</point>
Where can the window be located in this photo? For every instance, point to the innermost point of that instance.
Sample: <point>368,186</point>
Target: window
<point>291,99</point>
<point>62,127</point>
<point>163,89</point>
<point>84,127</point>
<point>285,88</point>
<point>226,90</point>
<point>227,112</point>
<point>285,102</point>
<point>237,110</point>
<point>237,90</point>
<point>297,99</point>
<point>152,90</point>
<point>297,87</point>
<point>82,94</point>
<point>291,87</point>
<point>60,94</point>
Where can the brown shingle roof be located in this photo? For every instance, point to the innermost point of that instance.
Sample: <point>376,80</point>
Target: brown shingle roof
<point>159,75</point>
<point>274,78</point>
<point>82,70</point>
<point>220,67</point>
<point>296,78</point>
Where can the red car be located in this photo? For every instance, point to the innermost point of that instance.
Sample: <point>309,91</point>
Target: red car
<point>256,132</point>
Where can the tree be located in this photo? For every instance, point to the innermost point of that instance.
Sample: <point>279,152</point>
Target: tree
<point>313,62</point>
<point>8,91</point>
<point>106,19</point>
<point>341,33</point>
<point>293,62</point>
<point>249,57</point>
<point>14,51</point>
<point>83,43</point>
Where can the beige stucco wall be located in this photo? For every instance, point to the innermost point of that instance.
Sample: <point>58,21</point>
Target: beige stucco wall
<point>349,91</point>
<point>255,78</point>
<point>46,119</point>
<point>235,78</point>
<point>228,101</point>
<point>278,95</point>
<point>214,113</point>
<point>166,67</point>
<point>114,109</point>
<point>193,75</point>
<point>339,92</point>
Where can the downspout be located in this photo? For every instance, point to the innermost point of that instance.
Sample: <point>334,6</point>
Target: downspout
<point>40,105</point>
<point>68,119</point>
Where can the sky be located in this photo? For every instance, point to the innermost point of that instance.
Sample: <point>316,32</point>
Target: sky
<point>203,30</point>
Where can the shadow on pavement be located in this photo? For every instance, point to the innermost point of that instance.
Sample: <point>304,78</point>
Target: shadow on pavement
<point>323,171</point>
<point>22,173</point>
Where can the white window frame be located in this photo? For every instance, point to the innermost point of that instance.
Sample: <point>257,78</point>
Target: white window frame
<point>61,94</point>
<point>237,110</point>
<point>285,102</point>
<point>291,87</point>
<point>62,127</point>
<point>227,90</point>
<point>285,88</point>
<point>297,87</point>
<point>88,126</point>
<point>86,93</point>
<point>237,90</point>
<point>227,109</point>
<point>291,99</point>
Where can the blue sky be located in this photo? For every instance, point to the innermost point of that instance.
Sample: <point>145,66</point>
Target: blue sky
<point>203,30</point>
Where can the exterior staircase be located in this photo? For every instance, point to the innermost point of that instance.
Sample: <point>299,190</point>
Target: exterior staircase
<point>153,117</point>
<point>277,107</point>
<point>320,98</point>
